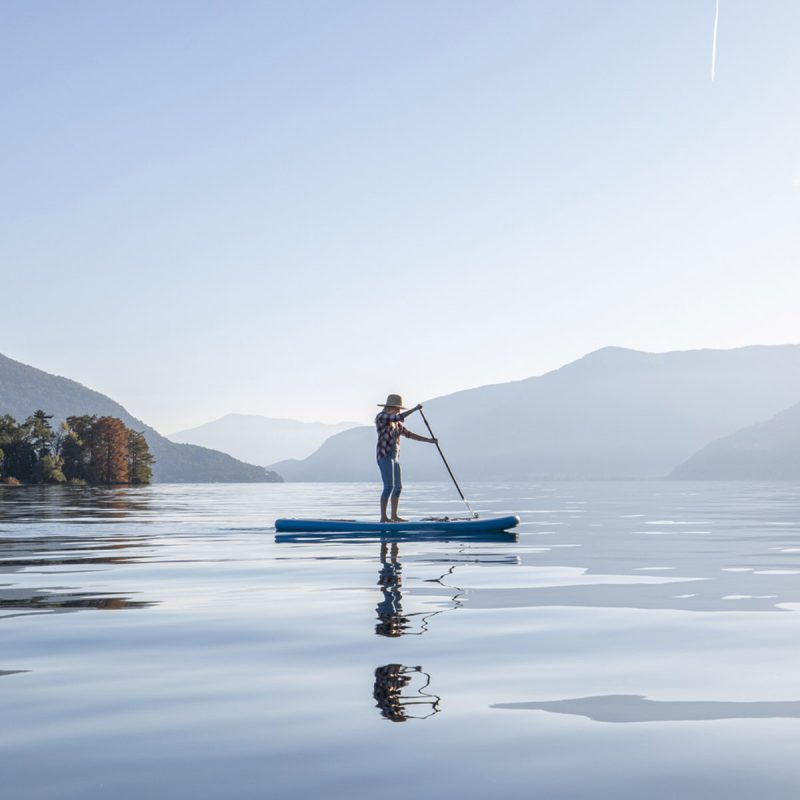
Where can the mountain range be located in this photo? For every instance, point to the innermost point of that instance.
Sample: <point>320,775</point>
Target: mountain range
<point>767,450</point>
<point>24,389</point>
<point>261,440</point>
<point>615,413</point>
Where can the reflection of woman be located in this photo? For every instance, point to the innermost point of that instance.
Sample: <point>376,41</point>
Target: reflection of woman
<point>389,684</point>
<point>391,621</point>
<point>390,680</point>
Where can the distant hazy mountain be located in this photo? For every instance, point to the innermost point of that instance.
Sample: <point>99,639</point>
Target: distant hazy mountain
<point>261,440</point>
<point>614,413</point>
<point>766,451</point>
<point>24,389</point>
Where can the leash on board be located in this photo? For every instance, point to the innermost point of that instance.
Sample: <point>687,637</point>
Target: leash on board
<point>427,425</point>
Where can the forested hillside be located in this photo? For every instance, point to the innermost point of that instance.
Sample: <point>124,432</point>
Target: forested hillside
<point>24,389</point>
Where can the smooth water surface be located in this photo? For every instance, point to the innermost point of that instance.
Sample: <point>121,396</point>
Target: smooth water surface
<point>634,639</point>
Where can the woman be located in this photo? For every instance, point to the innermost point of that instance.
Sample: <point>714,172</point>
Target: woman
<point>390,428</point>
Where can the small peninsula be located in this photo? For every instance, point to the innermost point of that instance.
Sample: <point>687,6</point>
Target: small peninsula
<point>83,451</point>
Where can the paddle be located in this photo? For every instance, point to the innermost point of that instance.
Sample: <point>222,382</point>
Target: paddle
<point>427,425</point>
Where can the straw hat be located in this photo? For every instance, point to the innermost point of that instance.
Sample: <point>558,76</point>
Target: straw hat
<point>393,400</point>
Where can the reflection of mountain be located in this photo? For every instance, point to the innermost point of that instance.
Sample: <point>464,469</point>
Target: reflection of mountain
<point>24,389</point>
<point>690,595</point>
<point>637,708</point>
<point>767,451</point>
<point>53,600</point>
<point>613,413</point>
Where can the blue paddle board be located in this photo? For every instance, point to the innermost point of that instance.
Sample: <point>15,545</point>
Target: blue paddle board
<point>459,526</point>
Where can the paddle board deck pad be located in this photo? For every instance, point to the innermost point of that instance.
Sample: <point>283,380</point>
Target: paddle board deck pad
<point>440,525</point>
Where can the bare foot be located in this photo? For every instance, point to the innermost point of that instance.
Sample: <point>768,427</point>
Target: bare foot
<point>385,519</point>
<point>399,519</point>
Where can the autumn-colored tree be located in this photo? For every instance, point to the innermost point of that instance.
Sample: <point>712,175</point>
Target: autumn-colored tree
<point>140,462</point>
<point>109,452</point>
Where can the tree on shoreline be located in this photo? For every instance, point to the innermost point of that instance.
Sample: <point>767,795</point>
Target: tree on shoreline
<point>86,450</point>
<point>18,452</point>
<point>140,462</point>
<point>45,444</point>
<point>109,455</point>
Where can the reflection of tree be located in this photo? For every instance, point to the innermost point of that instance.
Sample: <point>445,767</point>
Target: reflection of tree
<point>74,553</point>
<point>42,503</point>
<point>67,548</point>
<point>26,601</point>
<point>390,682</point>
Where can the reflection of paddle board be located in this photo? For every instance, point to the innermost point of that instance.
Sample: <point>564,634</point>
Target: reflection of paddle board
<point>473,537</point>
<point>444,525</point>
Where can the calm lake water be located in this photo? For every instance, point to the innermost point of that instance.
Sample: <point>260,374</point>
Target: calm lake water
<point>635,640</point>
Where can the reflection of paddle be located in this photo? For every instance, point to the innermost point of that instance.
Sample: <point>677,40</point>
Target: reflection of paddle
<point>471,512</point>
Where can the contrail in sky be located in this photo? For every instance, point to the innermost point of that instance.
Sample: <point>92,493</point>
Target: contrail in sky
<point>714,43</point>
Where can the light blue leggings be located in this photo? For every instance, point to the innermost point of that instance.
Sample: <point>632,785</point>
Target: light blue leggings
<point>392,477</point>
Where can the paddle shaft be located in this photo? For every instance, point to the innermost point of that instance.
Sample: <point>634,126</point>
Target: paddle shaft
<point>427,425</point>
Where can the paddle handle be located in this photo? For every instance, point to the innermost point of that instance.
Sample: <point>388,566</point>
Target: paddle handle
<point>433,436</point>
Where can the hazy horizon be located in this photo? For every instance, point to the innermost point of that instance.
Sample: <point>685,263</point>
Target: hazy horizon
<point>292,210</point>
<point>372,409</point>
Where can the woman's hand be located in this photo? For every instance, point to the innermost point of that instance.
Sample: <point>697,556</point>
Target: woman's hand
<point>417,407</point>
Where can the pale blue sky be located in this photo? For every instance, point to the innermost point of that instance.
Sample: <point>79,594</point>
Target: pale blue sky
<point>294,208</point>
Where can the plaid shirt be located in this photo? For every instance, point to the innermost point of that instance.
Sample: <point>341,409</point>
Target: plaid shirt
<point>390,429</point>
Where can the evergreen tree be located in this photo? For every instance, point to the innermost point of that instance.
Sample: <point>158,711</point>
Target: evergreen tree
<point>41,433</point>
<point>48,464</point>
<point>7,427</point>
<point>140,461</point>
<point>77,446</point>
<point>19,455</point>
